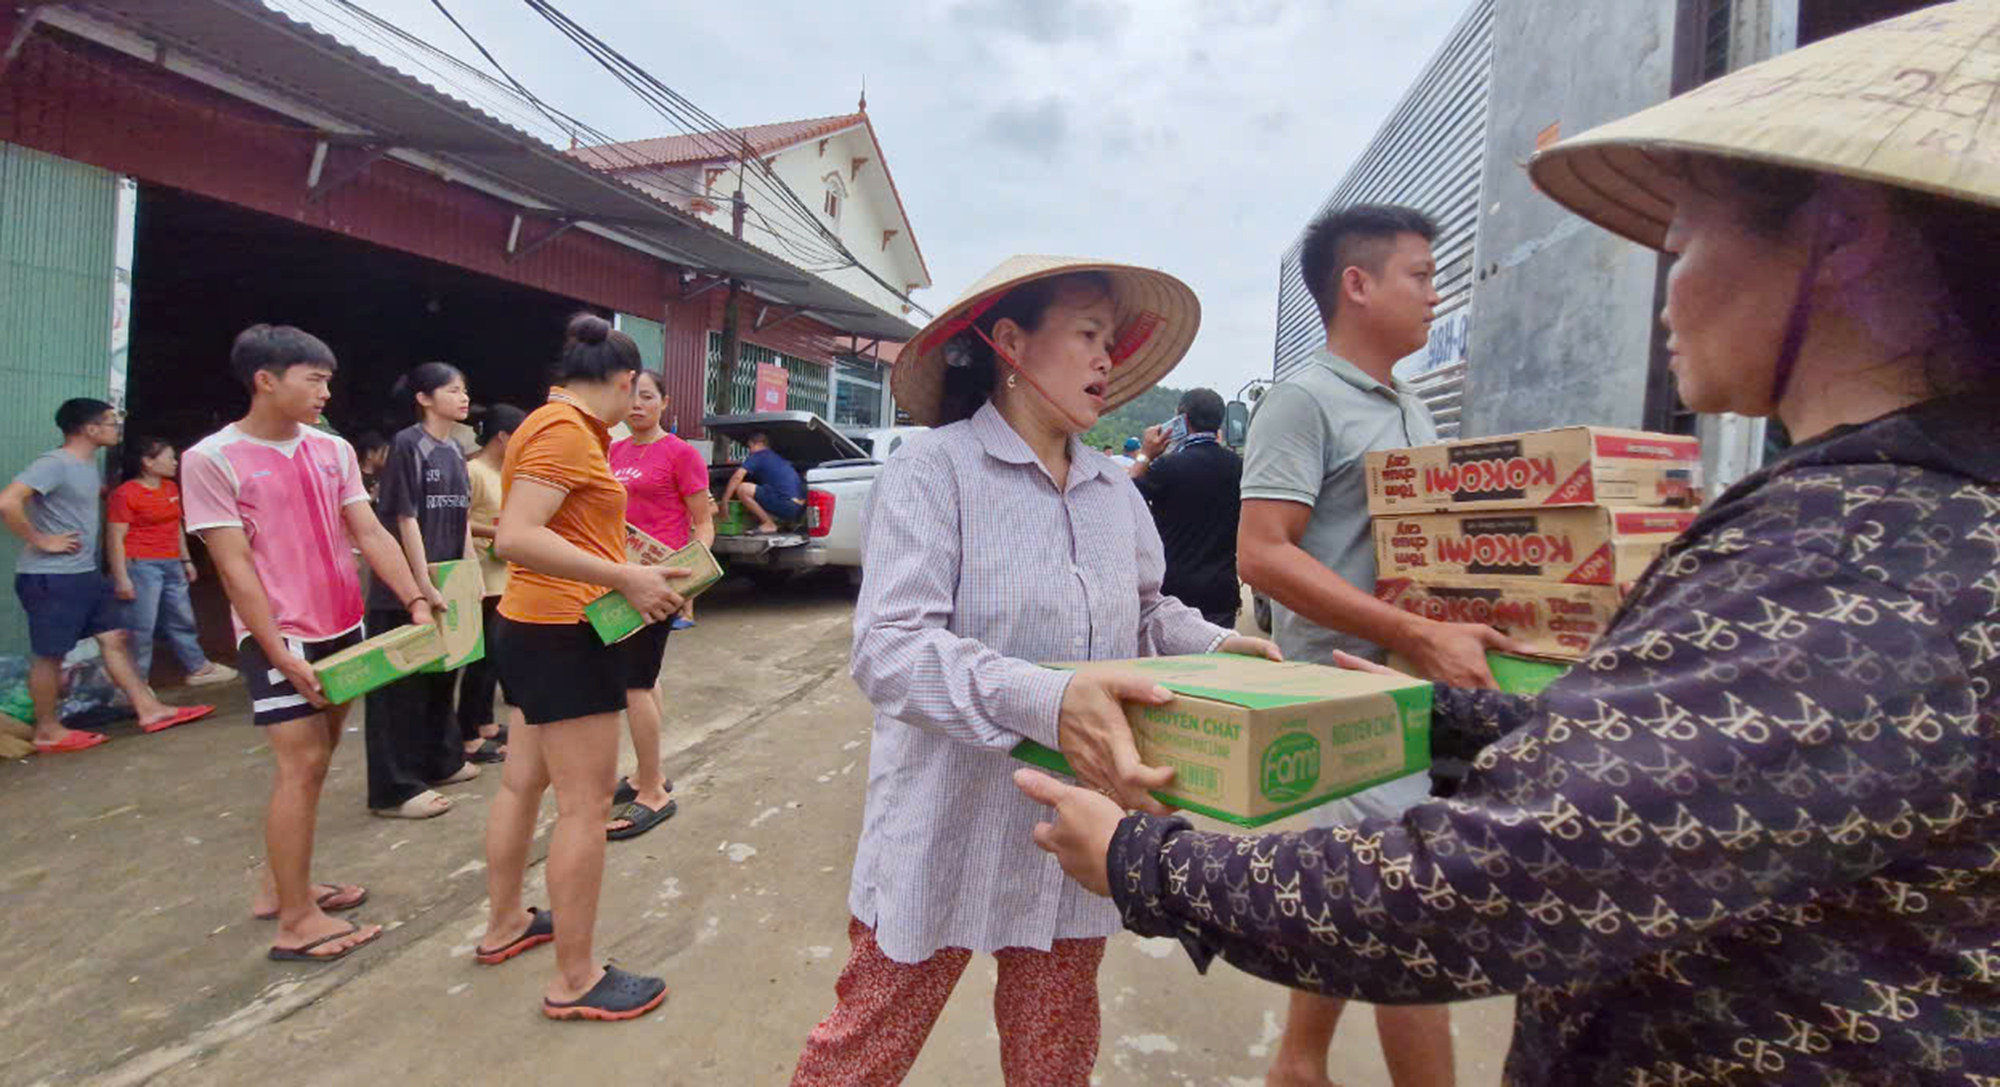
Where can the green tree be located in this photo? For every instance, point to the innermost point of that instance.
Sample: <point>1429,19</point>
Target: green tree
<point>1130,420</point>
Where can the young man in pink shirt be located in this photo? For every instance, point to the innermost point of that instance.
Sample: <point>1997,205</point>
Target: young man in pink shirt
<point>277,503</point>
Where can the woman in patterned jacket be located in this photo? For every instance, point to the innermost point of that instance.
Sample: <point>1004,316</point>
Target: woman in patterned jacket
<point>994,543</point>
<point>1755,836</point>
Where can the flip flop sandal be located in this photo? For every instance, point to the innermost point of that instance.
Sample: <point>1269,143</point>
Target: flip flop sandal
<point>77,740</point>
<point>627,792</point>
<point>342,897</point>
<point>642,818</point>
<point>466,772</point>
<point>303,953</point>
<point>488,751</point>
<point>180,716</point>
<point>616,996</point>
<point>421,806</point>
<point>541,930</point>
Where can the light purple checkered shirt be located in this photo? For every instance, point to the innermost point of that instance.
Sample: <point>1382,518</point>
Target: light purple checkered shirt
<point>975,568</point>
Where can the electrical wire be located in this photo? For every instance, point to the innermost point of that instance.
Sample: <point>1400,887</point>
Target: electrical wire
<point>797,229</point>
<point>569,127</point>
<point>703,127</point>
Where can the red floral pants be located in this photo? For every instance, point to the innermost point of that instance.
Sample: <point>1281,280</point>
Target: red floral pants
<point>1045,1007</point>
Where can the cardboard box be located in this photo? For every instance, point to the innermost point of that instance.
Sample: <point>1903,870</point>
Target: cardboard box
<point>1582,546</point>
<point>1549,617</point>
<point>615,619</point>
<point>463,624</point>
<point>1252,741</point>
<point>1515,675</point>
<point>1571,466</point>
<point>379,661</point>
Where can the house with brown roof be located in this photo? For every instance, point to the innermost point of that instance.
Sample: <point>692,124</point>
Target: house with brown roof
<point>834,165</point>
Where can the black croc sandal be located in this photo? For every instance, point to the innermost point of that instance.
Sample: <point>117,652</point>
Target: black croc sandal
<point>642,819</point>
<point>617,996</point>
<point>627,792</point>
<point>488,751</point>
<point>541,930</point>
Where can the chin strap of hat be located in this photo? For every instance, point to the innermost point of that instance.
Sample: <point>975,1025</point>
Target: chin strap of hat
<point>1800,317</point>
<point>1080,423</point>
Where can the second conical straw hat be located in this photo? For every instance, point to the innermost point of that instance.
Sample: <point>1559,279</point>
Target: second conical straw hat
<point>1912,102</point>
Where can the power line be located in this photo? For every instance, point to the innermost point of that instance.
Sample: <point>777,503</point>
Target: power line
<point>797,229</point>
<point>678,109</point>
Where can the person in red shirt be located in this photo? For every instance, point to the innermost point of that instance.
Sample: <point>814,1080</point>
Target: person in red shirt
<point>666,487</point>
<point>150,565</point>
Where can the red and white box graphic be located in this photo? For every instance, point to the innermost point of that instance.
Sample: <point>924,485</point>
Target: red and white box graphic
<point>1549,618</point>
<point>1585,545</point>
<point>1570,466</point>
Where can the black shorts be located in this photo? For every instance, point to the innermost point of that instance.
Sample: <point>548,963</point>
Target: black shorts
<point>273,699</point>
<point>556,671</point>
<point>643,653</point>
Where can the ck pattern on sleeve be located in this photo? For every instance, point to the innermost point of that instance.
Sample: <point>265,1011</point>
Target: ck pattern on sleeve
<point>1753,839</point>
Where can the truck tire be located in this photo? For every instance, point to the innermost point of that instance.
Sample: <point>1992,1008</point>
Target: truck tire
<point>1260,609</point>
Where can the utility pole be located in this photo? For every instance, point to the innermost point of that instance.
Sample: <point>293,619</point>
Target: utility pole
<point>732,336</point>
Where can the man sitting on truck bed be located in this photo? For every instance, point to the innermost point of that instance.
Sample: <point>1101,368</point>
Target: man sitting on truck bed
<point>767,485</point>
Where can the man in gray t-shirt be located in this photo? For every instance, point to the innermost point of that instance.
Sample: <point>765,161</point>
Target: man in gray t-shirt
<point>53,507</point>
<point>64,511</point>
<point>1304,541</point>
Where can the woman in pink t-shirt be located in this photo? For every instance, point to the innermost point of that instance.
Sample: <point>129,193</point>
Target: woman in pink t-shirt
<point>666,484</point>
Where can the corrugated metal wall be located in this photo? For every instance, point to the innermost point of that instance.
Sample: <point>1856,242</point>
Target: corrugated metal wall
<point>1428,155</point>
<point>57,246</point>
<point>684,361</point>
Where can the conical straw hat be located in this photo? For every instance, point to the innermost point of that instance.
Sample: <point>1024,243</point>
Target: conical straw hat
<point>1157,316</point>
<point>1912,102</point>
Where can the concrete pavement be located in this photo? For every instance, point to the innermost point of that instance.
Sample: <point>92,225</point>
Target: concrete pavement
<point>131,957</point>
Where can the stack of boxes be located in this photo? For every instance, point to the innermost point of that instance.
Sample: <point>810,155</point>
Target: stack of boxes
<point>1538,534</point>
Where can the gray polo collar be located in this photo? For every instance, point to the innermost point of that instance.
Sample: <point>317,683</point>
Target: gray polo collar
<point>1356,376</point>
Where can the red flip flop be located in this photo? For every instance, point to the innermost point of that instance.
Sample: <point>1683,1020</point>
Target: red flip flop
<point>180,716</point>
<point>75,741</point>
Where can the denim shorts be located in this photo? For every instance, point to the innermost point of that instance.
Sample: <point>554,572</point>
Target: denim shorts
<point>64,609</point>
<point>781,507</point>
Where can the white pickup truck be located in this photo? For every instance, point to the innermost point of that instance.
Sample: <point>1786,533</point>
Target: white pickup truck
<point>838,475</point>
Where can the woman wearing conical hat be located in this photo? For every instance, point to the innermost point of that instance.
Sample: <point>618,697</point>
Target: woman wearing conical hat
<point>993,543</point>
<point>1754,838</point>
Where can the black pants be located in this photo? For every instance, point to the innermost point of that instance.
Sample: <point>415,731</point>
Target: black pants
<point>411,737</point>
<point>479,682</point>
<point>1221,617</point>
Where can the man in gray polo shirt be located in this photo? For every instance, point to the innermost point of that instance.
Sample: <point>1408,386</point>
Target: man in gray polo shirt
<point>1304,541</point>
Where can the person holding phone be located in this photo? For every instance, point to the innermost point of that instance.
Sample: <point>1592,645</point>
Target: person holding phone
<point>1190,480</point>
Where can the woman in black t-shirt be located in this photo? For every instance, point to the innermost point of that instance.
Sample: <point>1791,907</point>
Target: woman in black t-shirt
<point>424,500</point>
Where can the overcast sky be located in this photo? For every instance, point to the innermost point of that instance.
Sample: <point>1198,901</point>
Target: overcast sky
<point>1195,136</point>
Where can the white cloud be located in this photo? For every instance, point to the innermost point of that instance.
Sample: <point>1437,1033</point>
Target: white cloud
<point>1190,135</point>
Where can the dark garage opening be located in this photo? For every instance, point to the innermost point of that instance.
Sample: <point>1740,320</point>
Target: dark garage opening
<point>204,270</point>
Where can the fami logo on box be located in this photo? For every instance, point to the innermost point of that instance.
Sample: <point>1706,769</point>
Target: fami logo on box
<point>1290,768</point>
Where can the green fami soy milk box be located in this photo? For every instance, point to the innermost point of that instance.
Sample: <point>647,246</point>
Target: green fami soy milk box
<point>1252,741</point>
